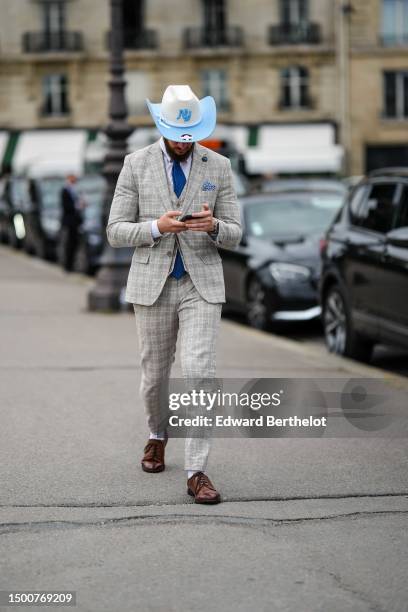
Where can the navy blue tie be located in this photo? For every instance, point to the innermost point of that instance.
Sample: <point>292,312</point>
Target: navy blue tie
<point>179,180</point>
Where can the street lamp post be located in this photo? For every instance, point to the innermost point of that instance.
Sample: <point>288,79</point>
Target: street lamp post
<point>346,10</point>
<point>111,277</point>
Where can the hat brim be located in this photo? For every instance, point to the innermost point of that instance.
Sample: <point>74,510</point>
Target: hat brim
<point>200,131</point>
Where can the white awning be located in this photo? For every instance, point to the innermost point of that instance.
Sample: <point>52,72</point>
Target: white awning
<point>50,152</point>
<point>96,149</point>
<point>144,136</point>
<point>291,149</point>
<point>139,138</point>
<point>4,136</point>
<point>235,134</point>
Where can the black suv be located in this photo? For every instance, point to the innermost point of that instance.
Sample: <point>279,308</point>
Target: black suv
<point>364,279</point>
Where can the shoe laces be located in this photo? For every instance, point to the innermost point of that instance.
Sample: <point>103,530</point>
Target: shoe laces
<point>152,451</point>
<point>202,481</point>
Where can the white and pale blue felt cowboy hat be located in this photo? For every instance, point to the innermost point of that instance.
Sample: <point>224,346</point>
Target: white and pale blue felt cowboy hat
<point>182,117</point>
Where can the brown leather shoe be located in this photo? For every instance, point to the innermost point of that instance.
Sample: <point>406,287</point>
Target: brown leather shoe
<point>153,458</point>
<point>202,489</point>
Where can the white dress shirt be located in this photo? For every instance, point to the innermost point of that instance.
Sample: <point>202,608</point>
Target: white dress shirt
<point>168,164</point>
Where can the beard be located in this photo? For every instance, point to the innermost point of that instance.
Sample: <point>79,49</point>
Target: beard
<point>176,156</point>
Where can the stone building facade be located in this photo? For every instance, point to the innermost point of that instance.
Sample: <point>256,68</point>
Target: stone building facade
<point>378,84</point>
<point>284,62</point>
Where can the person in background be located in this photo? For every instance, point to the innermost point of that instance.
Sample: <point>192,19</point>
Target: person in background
<point>72,217</point>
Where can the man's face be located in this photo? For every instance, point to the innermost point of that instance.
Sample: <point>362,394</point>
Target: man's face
<point>178,150</point>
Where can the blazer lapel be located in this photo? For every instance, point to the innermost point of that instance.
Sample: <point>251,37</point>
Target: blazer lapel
<point>159,172</point>
<point>195,179</point>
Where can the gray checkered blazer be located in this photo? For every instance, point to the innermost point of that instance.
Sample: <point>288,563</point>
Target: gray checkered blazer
<point>142,194</point>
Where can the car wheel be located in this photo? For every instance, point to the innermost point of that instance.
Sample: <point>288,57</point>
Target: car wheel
<point>258,311</point>
<point>340,335</point>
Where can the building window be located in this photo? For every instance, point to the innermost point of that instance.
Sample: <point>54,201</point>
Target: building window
<point>293,12</point>
<point>137,90</point>
<point>395,22</point>
<point>396,94</point>
<point>55,95</point>
<point>387,156</point>
<point>133,15</point>
<point>214,15</point>
<point>135,34</point>
<point>53,17</point>
<point>294,27</point>
<point>214,83</point>
<point>295,88</point>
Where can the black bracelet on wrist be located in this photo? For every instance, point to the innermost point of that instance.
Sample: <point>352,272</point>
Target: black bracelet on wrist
<point>215,230</point>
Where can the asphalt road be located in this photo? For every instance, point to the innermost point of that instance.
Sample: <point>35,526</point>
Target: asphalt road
<point>310,335</point>
<point>307,524</point>
<point>388,358</point>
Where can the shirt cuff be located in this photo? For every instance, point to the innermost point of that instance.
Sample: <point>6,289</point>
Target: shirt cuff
<point>155,230</point>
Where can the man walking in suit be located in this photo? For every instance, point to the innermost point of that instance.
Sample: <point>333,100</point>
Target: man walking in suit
<point>176,282</point>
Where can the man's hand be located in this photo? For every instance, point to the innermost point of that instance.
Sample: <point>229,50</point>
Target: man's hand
<point>203,221</point>
<point>167,223</point>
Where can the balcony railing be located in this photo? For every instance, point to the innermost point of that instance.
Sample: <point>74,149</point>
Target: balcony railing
<point>43,42</point>
<point>195,38</point>
<point>137,39</point>
<point>308,103</point>
<point>295,34</point>
<point>46,112</point>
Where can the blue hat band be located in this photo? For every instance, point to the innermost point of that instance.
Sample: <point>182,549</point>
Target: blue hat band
<point>178,124</point>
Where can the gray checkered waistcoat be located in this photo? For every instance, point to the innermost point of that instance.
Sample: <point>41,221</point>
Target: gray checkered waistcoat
<point>142,194</point>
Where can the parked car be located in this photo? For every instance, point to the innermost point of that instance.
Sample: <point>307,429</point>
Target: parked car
<point>14,201</point>
<point>241,184</point>
<point>351,181</point>
<point>225,146</point>
<point>272,276</point>
<point>92,189</point>
<point>301,184</point>
<point>42,218</point>
<point>3,214</point>
<point>364,283</point>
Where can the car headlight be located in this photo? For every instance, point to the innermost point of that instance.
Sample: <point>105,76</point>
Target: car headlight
<point>287,272</point>
<point>19,227</point>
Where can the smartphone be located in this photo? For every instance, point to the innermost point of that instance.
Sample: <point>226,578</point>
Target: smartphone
<point>187,218</point>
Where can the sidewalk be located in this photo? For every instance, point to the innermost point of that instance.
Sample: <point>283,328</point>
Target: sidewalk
<point>307,524</point>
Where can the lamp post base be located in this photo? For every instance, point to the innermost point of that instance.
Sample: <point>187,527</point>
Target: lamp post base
<point>111,279</point>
